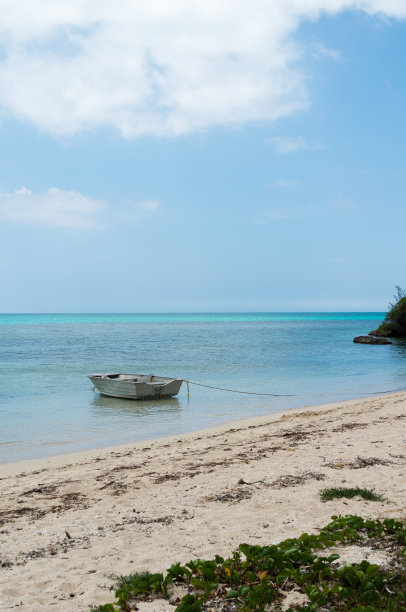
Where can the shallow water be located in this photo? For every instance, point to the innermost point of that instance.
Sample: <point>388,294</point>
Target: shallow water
<point>47,405</point>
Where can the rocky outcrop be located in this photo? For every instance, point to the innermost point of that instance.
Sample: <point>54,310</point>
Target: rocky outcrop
<point>371,340</point>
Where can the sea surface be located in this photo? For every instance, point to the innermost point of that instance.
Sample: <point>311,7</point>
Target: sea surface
<point>48,407</point>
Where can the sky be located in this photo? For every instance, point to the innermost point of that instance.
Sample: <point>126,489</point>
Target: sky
<point>196,155</point>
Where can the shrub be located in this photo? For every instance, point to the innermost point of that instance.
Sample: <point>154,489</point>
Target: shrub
<point>257,578</point>
<point>394,324</point>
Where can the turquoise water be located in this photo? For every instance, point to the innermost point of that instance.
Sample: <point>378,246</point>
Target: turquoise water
<point>47,406</point>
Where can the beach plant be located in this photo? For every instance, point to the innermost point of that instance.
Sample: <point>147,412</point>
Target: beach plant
<point>349,493</point>
<point>394,324</point>
<point>257,578</point>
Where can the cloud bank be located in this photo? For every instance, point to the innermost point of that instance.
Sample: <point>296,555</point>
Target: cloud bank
<point>69,209</point>
<point>157,68</point>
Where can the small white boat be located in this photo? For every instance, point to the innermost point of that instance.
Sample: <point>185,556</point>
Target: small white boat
<point>136,386</point>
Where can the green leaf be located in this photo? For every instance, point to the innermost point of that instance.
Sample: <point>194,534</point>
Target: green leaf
<point>347,592</point>
<point>291,551</point>
<point>231,594</point>
<point>371,596</point>
<point>245,590</point>
<point>368,586</point>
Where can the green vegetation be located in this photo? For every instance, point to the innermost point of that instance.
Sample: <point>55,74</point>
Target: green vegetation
<point>258,578</point>
<point>394,324</point>
<point>348,492</point>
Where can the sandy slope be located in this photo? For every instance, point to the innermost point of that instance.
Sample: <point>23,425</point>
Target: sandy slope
<point>68,523</point>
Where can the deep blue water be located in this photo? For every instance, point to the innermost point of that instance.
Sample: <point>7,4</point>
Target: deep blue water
<point>47,405</point>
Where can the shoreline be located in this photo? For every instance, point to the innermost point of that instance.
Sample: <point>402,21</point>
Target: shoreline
<point>67,523</point>
<point>9,468</point>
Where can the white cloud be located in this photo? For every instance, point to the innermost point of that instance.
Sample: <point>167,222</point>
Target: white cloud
<point>69,209</point>
<point>55,207</point>
<point>320,51</point>
<point>288,145</point>
<point>157,67</point>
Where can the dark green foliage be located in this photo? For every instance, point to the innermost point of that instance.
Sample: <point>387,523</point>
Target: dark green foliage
<point>348,492</point>
<point>255,576</point>
<point>394,325</point>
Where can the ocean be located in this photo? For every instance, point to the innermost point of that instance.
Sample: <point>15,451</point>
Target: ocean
<point>48,407</point>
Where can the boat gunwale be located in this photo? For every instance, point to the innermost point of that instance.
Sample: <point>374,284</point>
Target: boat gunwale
<point>131,377</point>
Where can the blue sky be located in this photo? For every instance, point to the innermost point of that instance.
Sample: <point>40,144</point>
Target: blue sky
<point>191,156</point>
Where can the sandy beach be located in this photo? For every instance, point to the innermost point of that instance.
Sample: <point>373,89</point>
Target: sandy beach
<point>68,523</point>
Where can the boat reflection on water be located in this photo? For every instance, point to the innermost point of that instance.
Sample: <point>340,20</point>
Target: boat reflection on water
<point>106,405</point>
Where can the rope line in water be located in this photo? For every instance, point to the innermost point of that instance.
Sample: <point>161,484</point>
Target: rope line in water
<point>193,382</point>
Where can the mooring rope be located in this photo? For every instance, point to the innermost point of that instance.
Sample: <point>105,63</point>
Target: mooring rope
<point>193,382</point>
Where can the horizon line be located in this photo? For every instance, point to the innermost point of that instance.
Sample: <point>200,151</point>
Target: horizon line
<point>191,312</point>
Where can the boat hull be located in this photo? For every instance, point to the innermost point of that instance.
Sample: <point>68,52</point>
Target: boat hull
<point>136,386</point>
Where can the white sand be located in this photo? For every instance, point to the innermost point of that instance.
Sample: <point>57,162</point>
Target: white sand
<point>68,523</point>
